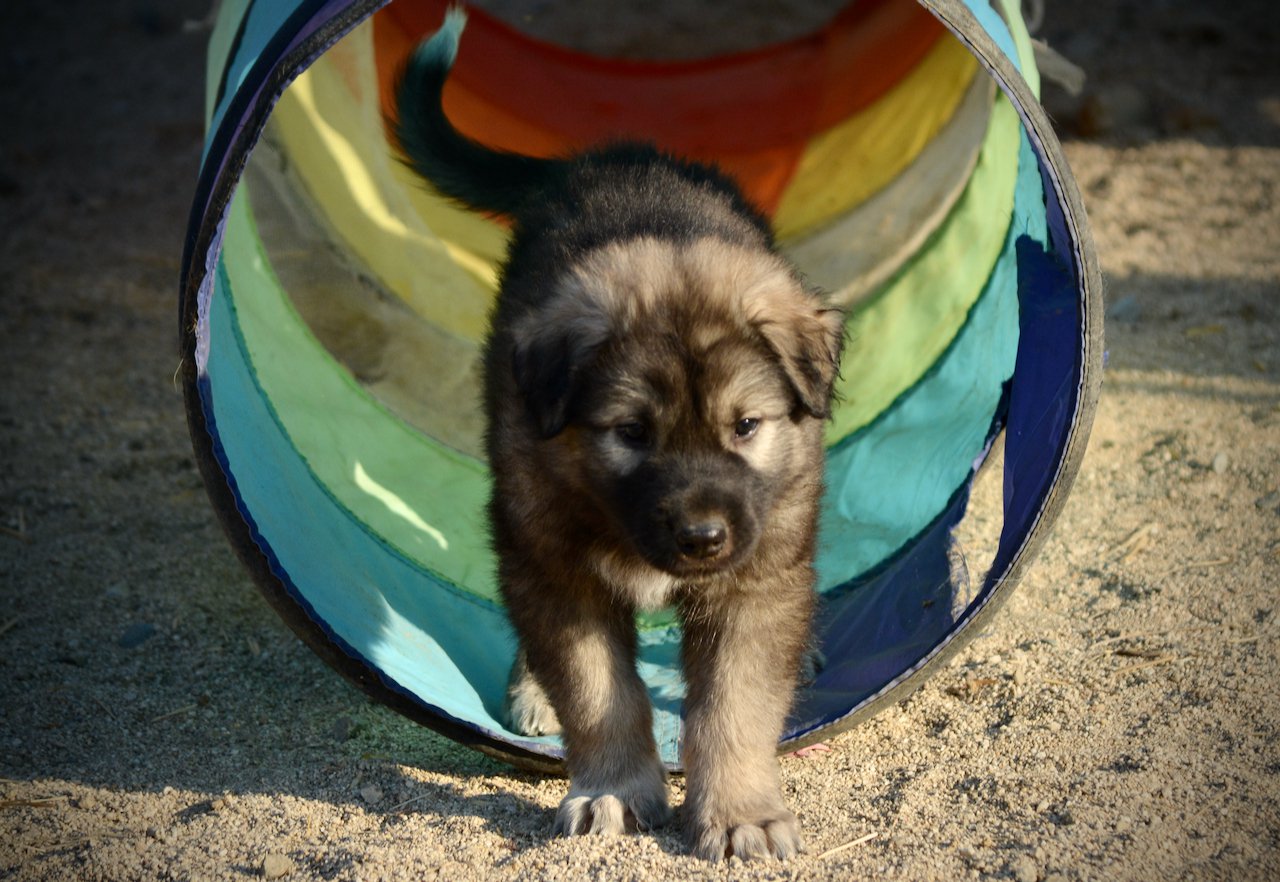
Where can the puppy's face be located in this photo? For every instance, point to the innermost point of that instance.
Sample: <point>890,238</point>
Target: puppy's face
<point>688,437</point>
<point>686,383</point>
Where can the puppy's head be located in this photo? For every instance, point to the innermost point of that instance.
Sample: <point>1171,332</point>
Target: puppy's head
<point>690,380</point>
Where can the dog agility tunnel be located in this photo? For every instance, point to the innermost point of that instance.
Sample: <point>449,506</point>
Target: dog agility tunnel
<point>332,309</point>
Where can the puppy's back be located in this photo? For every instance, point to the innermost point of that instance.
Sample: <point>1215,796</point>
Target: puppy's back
<point>620,191</point>
<point>623,192</point>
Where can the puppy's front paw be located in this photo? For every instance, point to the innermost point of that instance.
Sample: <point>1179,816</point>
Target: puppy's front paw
<point>775,834</point>
<point>614,811</point>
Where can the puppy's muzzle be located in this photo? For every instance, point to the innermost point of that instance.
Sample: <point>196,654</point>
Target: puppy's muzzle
<point>694,516</point>
<point>703,540</point>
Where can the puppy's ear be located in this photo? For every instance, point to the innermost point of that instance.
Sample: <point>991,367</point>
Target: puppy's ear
<point>551,349</point>
<point>808,341</point>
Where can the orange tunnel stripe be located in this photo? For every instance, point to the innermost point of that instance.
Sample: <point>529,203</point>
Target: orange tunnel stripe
<point>753,113</point>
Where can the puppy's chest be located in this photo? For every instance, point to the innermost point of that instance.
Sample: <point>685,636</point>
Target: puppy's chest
<point>645,586</point>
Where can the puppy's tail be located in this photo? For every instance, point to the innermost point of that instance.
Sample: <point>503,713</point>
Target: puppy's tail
<point>458,167</point>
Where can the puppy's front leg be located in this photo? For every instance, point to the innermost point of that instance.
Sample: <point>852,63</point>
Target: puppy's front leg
<point>583,654</point>
<point>741,656</point>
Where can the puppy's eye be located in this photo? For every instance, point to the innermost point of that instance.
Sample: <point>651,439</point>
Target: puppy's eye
<point>745,428</point>
<point>634,433</point>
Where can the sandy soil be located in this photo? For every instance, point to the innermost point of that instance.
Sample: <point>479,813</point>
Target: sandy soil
<point>1119,721</point>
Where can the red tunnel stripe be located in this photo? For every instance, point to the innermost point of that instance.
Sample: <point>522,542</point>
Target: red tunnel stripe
<point>751,112</point>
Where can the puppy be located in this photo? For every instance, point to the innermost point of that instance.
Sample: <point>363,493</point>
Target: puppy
<point>656,381</point>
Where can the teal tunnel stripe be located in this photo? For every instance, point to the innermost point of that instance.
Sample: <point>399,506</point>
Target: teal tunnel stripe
<point>887,483</point>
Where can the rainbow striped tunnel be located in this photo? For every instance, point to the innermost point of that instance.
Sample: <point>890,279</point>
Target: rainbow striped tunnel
<point>332,311</point>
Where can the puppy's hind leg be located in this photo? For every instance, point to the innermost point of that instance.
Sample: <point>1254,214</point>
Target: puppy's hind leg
<point>529,709</point>
<point>812,662</point>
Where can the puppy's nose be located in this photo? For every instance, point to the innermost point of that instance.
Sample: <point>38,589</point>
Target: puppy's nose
<point>702,541</point>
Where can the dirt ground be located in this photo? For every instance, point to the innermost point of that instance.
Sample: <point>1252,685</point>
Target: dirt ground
<point>1120,720</point>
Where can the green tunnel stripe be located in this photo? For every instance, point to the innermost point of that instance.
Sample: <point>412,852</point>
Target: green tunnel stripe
<point>916,316</point>
<point>448,648</point>
<point>424,500</point>
<point>886,483</point>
